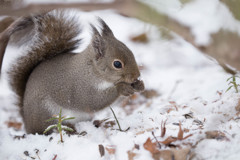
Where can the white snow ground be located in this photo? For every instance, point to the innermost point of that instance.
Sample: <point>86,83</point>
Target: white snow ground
<point>177,71</point>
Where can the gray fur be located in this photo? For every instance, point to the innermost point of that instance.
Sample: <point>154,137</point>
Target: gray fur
<point>50,76</point>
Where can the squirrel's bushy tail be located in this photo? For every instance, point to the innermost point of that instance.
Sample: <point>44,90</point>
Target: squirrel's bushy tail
<point>55,33</point>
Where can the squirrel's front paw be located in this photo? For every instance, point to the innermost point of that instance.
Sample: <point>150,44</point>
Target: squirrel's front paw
<point>125,89</point>
<point>138,86</point>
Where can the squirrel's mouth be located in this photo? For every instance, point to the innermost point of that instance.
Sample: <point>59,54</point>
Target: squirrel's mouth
<point>128,79</point>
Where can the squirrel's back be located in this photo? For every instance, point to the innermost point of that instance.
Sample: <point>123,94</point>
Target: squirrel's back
<point>54,33</point>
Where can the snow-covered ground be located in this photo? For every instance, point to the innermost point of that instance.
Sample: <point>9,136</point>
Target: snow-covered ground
<point>191,92</point>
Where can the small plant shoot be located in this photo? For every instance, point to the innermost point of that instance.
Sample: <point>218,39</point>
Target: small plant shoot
<point>120,129</point>
<point>232,83</point>
<point>59,125</point>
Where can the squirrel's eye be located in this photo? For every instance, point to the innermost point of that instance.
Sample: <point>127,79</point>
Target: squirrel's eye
<point>117,64</point>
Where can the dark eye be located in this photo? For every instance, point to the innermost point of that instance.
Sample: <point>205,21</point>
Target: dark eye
<point>117,64</point>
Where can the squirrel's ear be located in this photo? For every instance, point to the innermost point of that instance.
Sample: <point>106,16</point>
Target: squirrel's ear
<point>98,43</point>
<point>106,31</point>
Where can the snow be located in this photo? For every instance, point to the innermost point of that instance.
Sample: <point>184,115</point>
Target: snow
<point>176,70</point>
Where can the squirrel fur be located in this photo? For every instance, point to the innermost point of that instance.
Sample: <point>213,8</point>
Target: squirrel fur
<point>51,75</point>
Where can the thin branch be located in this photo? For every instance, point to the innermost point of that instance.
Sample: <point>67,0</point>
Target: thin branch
<point>24,10</point>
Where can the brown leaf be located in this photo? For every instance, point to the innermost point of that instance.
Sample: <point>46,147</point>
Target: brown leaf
<point>131,155</point>
<point>216,135</point>
<point>20,137</point>
<point>101,150</point>
<point>15,125</point>
<point>180,132</point>
<point>109,124</point>
<point>163,128</point>
<point>136,146</point>
<point>169,110</point>
<point>54,158</point>
<point>187,136</point>
<point>169,140</point>
<point>172,154</point>
<point>146,130</point>
<point>163,154</point>
<point>140,38</point>
<point>151,147</point>
<point>174,104</point>
<point>98,123</point>
<point>188,115</point>
<point>111,149</point>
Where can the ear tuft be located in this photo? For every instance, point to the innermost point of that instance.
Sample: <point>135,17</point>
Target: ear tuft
<point>98,43</point>
<point>106,31</point>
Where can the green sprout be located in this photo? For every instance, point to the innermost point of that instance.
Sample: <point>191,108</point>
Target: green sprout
<point>233,83</point>
<point>59,125</point>
<point>120,129</point>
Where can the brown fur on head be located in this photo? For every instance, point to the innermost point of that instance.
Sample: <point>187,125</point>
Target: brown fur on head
<point>109,53</point>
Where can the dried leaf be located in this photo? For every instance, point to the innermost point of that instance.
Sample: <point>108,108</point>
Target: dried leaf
<point>180,132</point>
<point>136,146</point>
<point>131,155</point>
<point>216,135</point>
<point>188,115</point>
<point>169,110</point>
<point>187,136</point>
<point>172,154</point>
<point>15,125</point>
<point>163,128</point>
<point>55,157</point>
<point>169,140</point>
<point>109,124</point>
<point>151,147</point>
<point>97,123</point>
<point>158,144</point>
<point>83,133</point>
<point>20,137</point>
<point>26,153</point>
<point>146,130</point>
<point>197,122</point>
<point>174,104</point>
<point>111,149</point>
<point>101,150</point>
<point>140,38</point>
<point>186,130</point>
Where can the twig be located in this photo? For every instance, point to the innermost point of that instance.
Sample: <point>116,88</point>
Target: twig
<point>163,128</point>
<point>159,145</point>
<point>37,151</point>
<point>54,158</point>
<point>24,10</point>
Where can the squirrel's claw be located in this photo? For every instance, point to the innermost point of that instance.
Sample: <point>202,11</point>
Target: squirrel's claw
<point>138,86</point>
<point>125,89</point>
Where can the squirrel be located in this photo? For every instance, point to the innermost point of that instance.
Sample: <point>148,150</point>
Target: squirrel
<point>52,75</point>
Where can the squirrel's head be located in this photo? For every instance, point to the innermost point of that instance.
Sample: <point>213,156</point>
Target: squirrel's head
<point>113,60</point>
